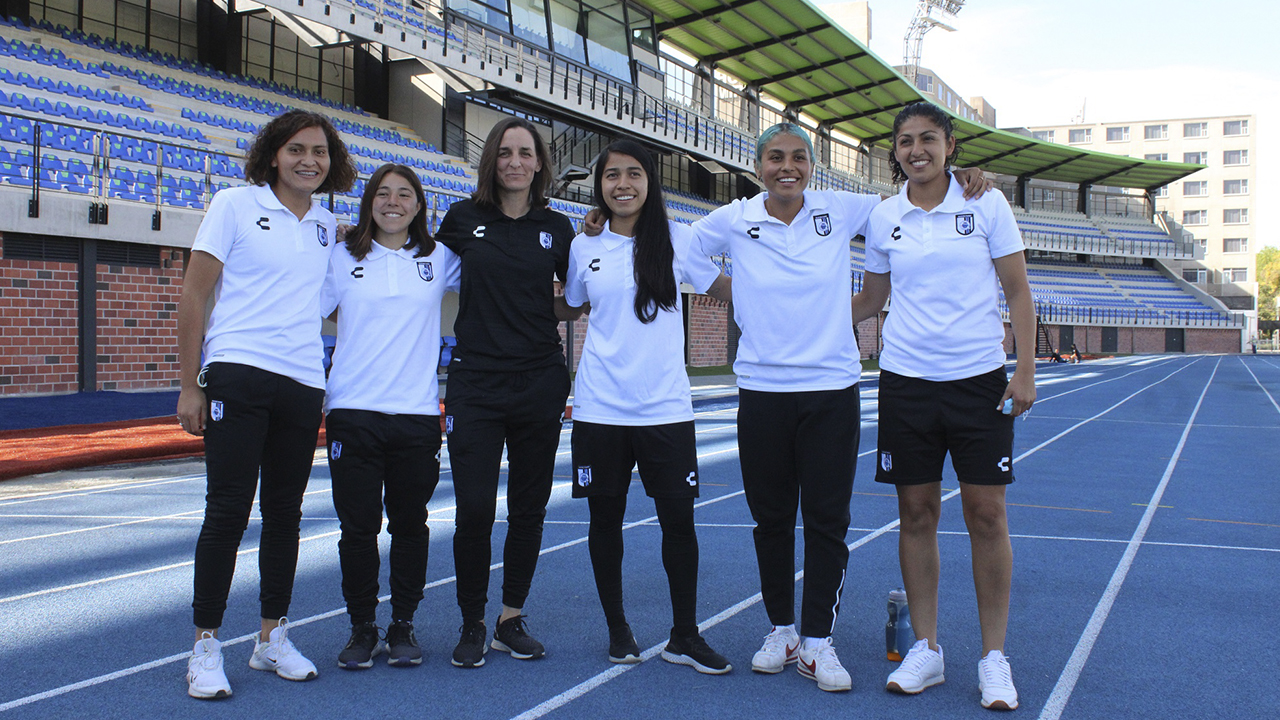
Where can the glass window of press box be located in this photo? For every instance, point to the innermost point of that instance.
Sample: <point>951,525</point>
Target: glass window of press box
<point>166,26</point>
<point>596,33</point>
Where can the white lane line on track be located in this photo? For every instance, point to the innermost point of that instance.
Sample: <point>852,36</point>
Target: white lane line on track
<point>1260,385</point>
<point>600,679</point>
<point>126,672</point>
<point>133,484</point>
<point>1062,690</point>
<point>1141,369</point>
<point>60,494</point>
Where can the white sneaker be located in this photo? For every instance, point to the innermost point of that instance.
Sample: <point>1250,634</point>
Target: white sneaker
<point>995,680</point>
<point>820,663</point>
<point>205,678</point>
<point>280,655</point>
<point>779,650</point>
<point>921,668</point>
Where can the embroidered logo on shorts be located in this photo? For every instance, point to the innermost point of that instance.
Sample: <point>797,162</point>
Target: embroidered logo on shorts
<point>1003,464</point>
<point>692,479</point>
<point>886,461</point>
<point>448,424</point>
<point>335,450</point>
<point>322,234</point>
<point>544,239</point>
<point>215,410</point>
<point>822,224</point>
<point>584,475</point>
<point>424,270</point>
<point>965,224</point>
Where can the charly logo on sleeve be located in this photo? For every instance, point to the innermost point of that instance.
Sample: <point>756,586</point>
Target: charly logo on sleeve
<point>424,270</point>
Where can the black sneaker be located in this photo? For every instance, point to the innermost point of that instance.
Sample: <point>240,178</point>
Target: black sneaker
<point>471,648</point>
<point>511,636</point>
<point>402,645</point>
<point>622,645</point>
<point>694,652</point>
<point>364,645</point>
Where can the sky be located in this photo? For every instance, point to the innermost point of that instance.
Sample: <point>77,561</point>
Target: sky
<point>1039,62</point>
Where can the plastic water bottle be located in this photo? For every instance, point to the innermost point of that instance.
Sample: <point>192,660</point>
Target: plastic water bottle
<point>898,635</point>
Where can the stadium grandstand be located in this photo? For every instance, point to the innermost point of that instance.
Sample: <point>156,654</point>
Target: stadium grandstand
<point>120,119</point>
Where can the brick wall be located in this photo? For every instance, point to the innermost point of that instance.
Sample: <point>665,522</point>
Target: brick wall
<point>1212,340</point>
<point>138,324</point>
<point>708,331</point>
<point>38,329</point>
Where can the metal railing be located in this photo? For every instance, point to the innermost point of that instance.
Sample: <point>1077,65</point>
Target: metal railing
<point>1148,317</point>
<point>1064,242</point>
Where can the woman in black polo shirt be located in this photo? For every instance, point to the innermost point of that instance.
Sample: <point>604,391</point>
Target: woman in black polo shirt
<point>508,381</point>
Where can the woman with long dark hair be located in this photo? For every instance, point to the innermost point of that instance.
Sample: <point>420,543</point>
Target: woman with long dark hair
<point>507,381</point>
<point>631,404</point>
<point>383,404</point>
<point>262,251</point>
<point>943,387</point>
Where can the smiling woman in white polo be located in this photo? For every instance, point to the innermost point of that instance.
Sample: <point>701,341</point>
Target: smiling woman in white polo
<point>261,253</point>
<point>386,280</point>
<point>943,382</point>
<point>631,404</point>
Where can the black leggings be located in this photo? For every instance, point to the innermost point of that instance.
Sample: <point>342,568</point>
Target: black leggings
<point>679,557</point>
<point>260,424</point>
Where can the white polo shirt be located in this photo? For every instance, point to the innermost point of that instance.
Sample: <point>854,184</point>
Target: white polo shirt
<point>944,315</point>
<point>792,285</point>
<point>266,309</point>
<point>631,373</point>
<point>388,328</point>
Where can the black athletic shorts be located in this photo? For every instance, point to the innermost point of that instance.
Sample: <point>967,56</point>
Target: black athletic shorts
<point>923,420</point>
<point>603,456</point>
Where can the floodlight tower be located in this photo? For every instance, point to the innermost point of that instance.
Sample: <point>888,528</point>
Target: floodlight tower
<point>929,15</point>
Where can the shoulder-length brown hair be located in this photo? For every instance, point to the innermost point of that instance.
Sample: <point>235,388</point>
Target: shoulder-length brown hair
<point>273,136</point>
<point>360,239</point>
<point>486,194</point>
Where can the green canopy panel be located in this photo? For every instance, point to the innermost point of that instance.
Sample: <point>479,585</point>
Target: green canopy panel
<point>792,51</point>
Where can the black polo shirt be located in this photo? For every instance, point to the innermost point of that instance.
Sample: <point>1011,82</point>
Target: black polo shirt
<point>506,318</point>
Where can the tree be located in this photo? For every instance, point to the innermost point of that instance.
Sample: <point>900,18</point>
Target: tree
<point>1268,265</point>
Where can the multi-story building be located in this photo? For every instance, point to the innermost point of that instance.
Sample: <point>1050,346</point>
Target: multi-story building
<point>1216,205</point>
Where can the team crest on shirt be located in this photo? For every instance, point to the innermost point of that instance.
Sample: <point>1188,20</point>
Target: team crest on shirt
<point>544,239</point>
<point>322,234</point>
<point>584,475</point>
<point>215,410</point>
<point>822,224</point>
<point>424,270</point>
<point>335,450</point>
<point>886,461</point>
<point>965,224</point>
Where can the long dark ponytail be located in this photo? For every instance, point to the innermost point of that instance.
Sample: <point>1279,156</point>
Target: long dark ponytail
<point>652,253</point>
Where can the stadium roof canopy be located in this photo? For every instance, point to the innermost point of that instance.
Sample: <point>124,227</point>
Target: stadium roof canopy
<point>792,51</point>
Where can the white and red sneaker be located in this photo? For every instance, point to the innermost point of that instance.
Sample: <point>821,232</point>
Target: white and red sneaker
<point>779,650</point>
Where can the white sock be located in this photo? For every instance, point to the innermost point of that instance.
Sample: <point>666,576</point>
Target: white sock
<point>810,643</point>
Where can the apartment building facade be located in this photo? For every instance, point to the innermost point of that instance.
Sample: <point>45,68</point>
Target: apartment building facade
<point>1216,205</point>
